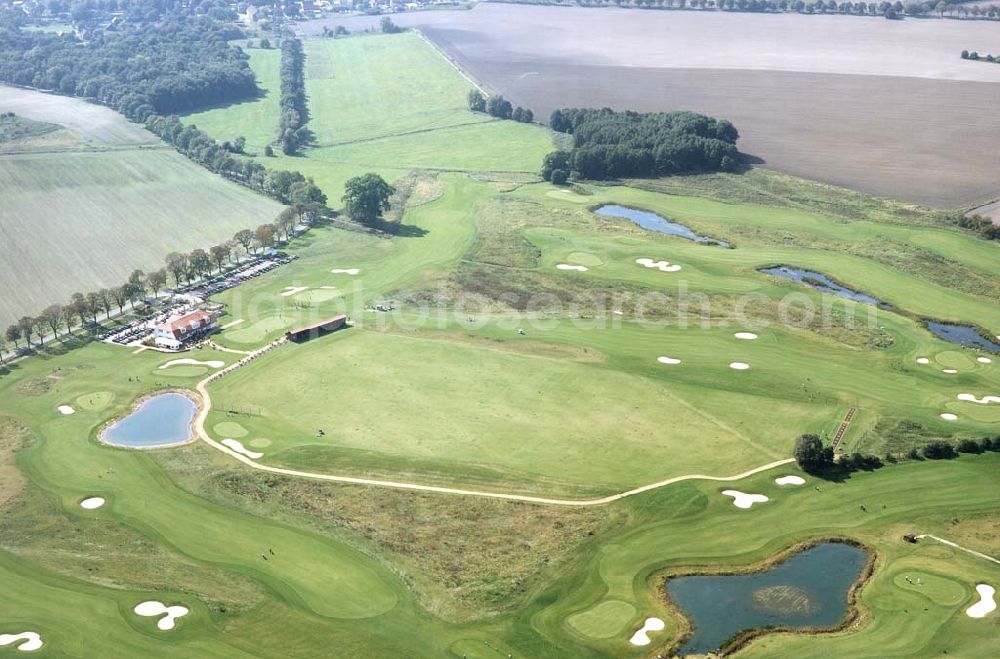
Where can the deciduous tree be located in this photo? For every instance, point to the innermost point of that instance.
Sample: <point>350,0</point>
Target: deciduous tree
<point>366,197</point>
<point>811,455</point>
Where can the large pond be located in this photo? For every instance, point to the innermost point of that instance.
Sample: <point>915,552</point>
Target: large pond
<point>963,335</point>
<point>163,420</point>
<point>822,283</point>
<point>653,222</point>
<point>807,590</point>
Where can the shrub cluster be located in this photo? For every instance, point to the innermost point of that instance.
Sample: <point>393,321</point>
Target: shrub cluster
<point>609,144</point>
<point>981,224</point>
<point>175,65</point>
<point>294,114</point>
<point>499,107</point>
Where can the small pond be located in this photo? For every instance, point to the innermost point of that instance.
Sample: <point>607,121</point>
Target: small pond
<point>963,335</point>
<point>163,420</point>
<point>822,283</point>
<point>807,590</point>
<point>653,222</point>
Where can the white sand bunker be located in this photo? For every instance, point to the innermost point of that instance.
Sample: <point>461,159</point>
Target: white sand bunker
<point>292,290</point>
<point>193,362</point>
<point>346,271</point>
<point>984,360</point>
<point>66,409</point>
<point>923,360</point>
<point>237,446</point>
<point>92,503</point>
<point>662,266</point>
<point>153,608</point>
<point>949,371</point>
<point>29,641</point>
<point>746,336</point>
<point>986,603</point>
<point>566,266</point>
<point>744,500</point>
<point>948,416</point>
<point>790,480</point>
<point>641,637</point>
<point>739,366</point>
<point>985,400</point>
<point>668,360</point>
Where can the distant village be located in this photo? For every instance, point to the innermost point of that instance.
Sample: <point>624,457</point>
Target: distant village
<point>84,16</point>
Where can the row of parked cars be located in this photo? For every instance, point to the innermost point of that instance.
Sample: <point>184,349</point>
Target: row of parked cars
<point>237,276</point>
<point>140,327</point>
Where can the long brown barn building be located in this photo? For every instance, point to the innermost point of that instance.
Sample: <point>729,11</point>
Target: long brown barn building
<point>307,332</point>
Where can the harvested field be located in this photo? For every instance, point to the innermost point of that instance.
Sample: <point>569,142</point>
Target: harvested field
<point>896,114</point>
<point>92,121</point>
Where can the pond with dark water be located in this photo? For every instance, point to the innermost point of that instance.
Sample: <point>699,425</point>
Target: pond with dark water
<point>962,335</point>
<point>808,589</point>
<point>163,420</point>
<point>821,282</point>
<point>653,222</point>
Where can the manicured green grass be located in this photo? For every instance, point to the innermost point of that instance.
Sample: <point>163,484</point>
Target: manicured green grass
<point>694,525</point>
<point>317,590</point>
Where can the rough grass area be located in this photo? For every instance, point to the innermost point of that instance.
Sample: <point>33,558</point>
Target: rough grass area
<point>456,574</point>
<point>19,129</point>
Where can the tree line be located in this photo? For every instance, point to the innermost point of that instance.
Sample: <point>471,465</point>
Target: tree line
<point>884,9</point>
<point>293,111</point>
<point>287,187</point>
<point>177,64</point>
<point>979,58</point>
<point>813,457</point>
<point>183,268</point>
<point>497,106</point>
<point>609,144</point>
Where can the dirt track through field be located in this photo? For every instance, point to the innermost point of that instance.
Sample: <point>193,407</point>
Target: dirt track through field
<point>206,407</point>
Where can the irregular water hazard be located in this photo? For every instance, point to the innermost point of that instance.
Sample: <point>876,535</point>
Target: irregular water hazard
<point>962,335</point>
<point>822,283</point>
<point>653,222</point>
<point>808,590</point>
<point>162,420</point>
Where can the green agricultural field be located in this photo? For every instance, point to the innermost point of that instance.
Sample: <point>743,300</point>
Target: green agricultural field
<point>389,104</point>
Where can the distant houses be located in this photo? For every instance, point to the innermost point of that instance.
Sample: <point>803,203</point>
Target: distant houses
<point>178,330</point>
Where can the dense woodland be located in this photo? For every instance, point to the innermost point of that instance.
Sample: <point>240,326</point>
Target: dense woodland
<point>609,144</point>
<point>294,113</point>
<point>174,65</point>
